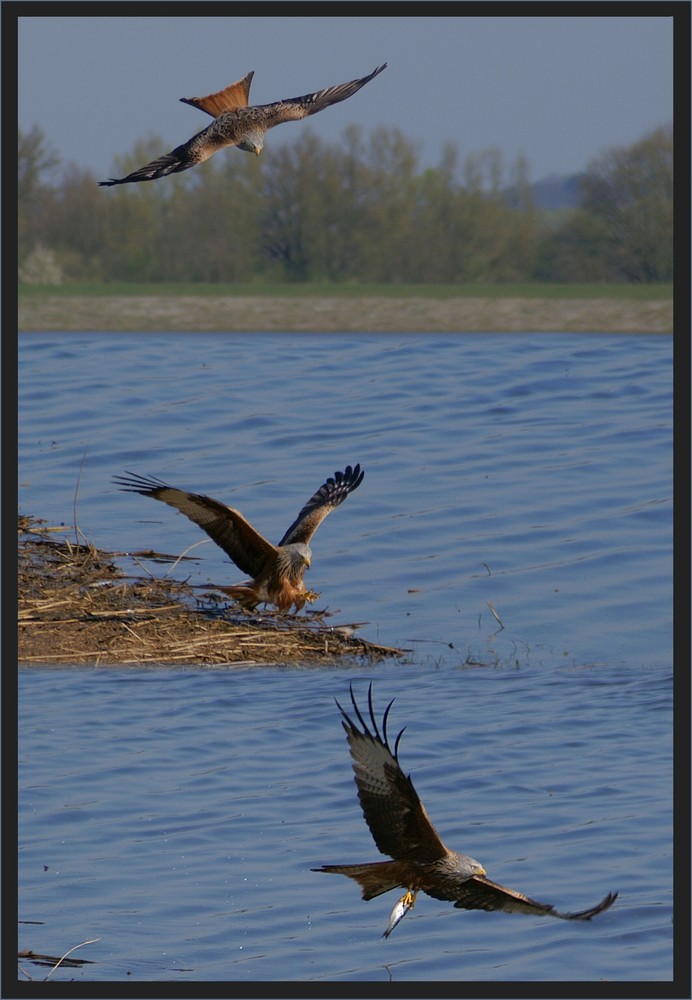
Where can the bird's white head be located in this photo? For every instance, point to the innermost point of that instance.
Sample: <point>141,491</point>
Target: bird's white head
<point>462,864</point>
<point>301,554</point>
<point>252,143</point>
<point>475,866</point>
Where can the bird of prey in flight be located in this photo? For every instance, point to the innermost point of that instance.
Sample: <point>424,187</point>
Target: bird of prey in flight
<point>277,571</point>
<point>238,124</point>
<point>401,828</point>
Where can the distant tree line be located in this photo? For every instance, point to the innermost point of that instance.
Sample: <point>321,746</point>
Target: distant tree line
<point>358,210</point>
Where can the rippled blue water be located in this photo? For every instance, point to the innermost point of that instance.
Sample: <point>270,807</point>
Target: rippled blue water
<point>175,814</point>
<point>534,472</point>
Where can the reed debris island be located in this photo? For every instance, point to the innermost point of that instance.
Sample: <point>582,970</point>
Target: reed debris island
<point>77,607</point>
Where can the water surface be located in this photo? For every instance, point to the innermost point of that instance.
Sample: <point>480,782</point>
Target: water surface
<point>532,472</point>
<point>176,813</point>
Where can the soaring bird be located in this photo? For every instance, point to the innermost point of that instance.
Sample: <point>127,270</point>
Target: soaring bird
<point>237,124</point>
<point>277,571</point>
<point>401,828</point>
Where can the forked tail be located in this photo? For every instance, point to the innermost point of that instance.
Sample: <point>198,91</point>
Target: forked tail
<point>374,878</point>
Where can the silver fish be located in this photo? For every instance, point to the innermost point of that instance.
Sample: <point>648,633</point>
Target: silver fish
<point>401,908</point>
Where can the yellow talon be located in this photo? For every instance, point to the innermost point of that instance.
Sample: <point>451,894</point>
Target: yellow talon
<point>408,899</point>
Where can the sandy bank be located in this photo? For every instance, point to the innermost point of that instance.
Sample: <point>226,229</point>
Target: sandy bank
<point>347,315</point>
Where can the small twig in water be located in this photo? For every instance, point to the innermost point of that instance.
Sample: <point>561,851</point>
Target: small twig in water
<point>77,531</point>
<point>495,615</point>
<point>90,941</point>
<point>203,541</point>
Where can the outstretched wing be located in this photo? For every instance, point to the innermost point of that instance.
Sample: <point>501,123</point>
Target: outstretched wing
<point>235,95</point>
<point>480,893</point>
<point>249,550</point>
<point>295,108</point>
<point>196,150</point>
<point>396,816</point>
<point>328,496</point>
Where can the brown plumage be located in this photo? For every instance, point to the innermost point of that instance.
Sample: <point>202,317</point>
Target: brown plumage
<point>401,828</point>
<point>277,571</point>
<point>237,124</point>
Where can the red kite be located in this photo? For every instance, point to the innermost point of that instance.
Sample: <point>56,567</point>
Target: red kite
<point>277,570</point>
<point>400,828</point>
<point>237,124</point>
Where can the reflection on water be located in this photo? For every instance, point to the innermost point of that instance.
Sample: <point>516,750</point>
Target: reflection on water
<point>175,814</point>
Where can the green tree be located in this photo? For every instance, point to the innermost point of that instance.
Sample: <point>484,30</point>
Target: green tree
<point>137,216</point>
<point>36,165</point>
<point>623,227</point>
<point>36,162</point>
<point>486,228</point>
<point>74,224</point>
<point>360,210</point>
<point>389,245</point>
<point>339,212</point>
<point>628,193</point>
<point>301,213</point>
<point>212,231</point>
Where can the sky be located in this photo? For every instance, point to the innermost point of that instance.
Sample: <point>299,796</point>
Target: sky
<point>558,90</point>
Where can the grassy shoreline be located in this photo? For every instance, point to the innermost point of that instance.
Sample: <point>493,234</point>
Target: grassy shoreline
<point>347,309</point>
<point>355,291</point>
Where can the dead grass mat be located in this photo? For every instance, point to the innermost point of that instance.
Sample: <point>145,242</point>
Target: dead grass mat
<point>76,607</point>
<point>369,314</point>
